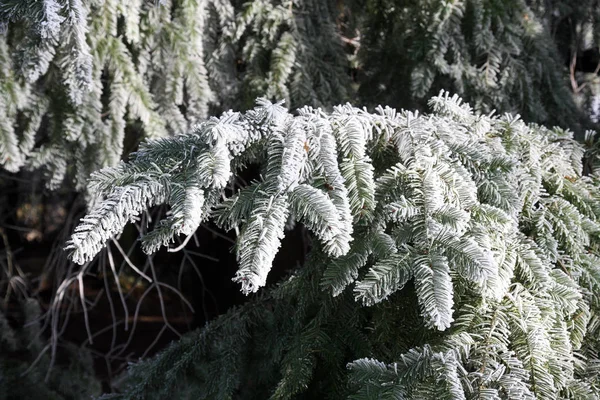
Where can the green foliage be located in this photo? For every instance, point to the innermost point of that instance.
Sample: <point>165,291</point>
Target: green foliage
<point>455,254</point>
<point>509,56</point>
<point>202,161</point>
<point>27,367</point>
<point>90,80</point>
<point>473,265</point>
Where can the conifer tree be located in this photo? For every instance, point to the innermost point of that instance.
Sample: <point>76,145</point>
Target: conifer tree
<point>79,78</point>
<point>455,254</point>
<point>79,75</point>
<point>508,56</point>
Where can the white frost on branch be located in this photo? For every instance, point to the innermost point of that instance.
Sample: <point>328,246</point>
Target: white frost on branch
<point>429,198</point>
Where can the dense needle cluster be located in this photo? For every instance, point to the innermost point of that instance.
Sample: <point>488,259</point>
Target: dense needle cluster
<point>77,78</point>
<point>485,225</point>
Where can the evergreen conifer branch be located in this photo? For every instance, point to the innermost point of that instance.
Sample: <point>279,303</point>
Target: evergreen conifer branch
<point>455,253</point>
<point>171,62</point>
<point>497,310</point>
<point>158,67</point>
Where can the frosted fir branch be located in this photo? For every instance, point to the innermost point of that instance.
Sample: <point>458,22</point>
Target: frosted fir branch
<point>288,157</point>
<point>475,262</point>
<point>322,149</point>
<point>194,163</point>
<point>401,210</point>
<point>50,25</point>
<point>188,202</point>
<point>387,276</point>
<point>435,290</point>
<point>381,244</point>
<point>162,235</point>
<point>451,105</point>
<point>76,65</point>
<point>131,13</point>
<point>213,167</point>
<point>317,211</point>
<point>358,175</point>
<point>111,216</point>
<point>36,59</point>
<point>11,156</point>
<point>517,312</point>
<point>140,101</point>
<point>317,169</point>
<point>238,207</point>
<point>352,130</point>
<point>259,242</point>
<point>532,342</point>
<point>436,367</point>
<point>282,63</point>
<point>34,117</point>
<point>343,271</point>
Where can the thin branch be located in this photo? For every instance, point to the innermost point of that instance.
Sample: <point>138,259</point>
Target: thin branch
<point>160,297</point>
<point>9,261</point>
<point>187,303</point>
<point>134,323</point>
<point>85,311</point>
<point>181,246</point>
<point>128,261</point>
<point>218,234</point>
<point>112,308</point>
<point>111,262</point>
<point>203,285</point>
<point>162,330</point>
<point>195,253</point>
